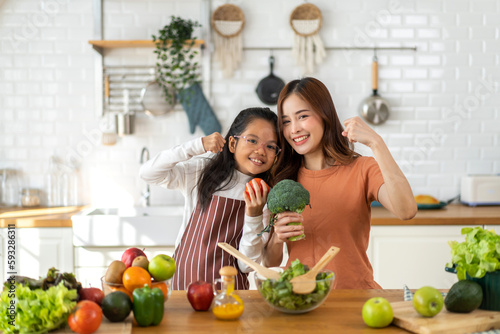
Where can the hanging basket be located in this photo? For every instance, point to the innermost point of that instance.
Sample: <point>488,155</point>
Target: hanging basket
<point>308,48</point>
<point>228,22</point>
<point>306,20</point>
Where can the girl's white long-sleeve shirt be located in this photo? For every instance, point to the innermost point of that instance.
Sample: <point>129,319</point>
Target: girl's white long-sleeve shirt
<point>180,168</point>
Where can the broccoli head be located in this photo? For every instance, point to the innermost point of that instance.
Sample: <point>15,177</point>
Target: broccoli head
<point>288,195</point>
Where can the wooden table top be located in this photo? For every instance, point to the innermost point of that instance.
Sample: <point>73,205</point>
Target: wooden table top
<point>340,313</point>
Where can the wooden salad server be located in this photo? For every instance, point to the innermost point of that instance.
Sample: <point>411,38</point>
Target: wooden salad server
<point>263,271</point>
<point>306,283</point>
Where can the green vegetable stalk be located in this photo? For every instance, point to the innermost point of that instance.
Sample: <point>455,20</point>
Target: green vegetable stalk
<point>148,306</point>
<point>287,195</point>
<point>477,255</point>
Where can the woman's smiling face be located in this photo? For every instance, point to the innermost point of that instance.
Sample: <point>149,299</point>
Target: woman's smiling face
<point>302,126</point>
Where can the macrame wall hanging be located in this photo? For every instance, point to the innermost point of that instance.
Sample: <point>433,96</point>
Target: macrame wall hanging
<point>228,22</point>
<point>308,48</point>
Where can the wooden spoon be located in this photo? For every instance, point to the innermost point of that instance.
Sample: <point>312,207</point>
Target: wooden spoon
<point>306,283</point>
<point>263,271</point>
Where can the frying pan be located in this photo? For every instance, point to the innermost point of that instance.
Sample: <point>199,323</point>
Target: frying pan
<point>374,109</point>
<point>270,87</point>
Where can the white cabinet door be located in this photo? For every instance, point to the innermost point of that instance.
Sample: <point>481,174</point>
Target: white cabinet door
<point>496,228</point>
<point>3,249</point>
<point>412,255</point>
<point>39,249</point>
<point>91,263</point>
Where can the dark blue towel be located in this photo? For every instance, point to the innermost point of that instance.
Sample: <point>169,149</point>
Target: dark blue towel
<point>198,110</point>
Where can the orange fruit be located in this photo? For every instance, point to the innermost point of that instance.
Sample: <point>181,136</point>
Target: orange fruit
<point>162,286</point>
<point>122,289</point>
<point>136,277</point>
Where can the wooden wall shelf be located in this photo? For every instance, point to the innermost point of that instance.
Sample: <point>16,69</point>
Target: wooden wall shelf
<point>99,45</point>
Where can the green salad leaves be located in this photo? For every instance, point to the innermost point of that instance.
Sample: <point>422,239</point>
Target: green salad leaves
<point>477,255</point>
<point>280,292</point>
<point>26,310</point>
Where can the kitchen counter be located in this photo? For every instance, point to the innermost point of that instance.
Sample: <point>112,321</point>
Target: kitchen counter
<point>454,214</point>
<point>38,217</point>
<point>340,313</point>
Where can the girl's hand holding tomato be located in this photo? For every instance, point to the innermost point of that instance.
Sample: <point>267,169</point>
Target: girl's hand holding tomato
<point>256,196</point>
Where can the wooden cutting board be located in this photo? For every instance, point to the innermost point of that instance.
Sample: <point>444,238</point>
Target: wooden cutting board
<point>106,327</point>
<point>407,318</point>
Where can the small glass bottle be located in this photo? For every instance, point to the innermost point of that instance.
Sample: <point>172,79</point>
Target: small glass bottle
<point>227,305</point>
<point>30,197</point>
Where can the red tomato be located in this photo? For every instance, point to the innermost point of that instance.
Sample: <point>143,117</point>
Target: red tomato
<point>85,318</point>
<point>250,186</point>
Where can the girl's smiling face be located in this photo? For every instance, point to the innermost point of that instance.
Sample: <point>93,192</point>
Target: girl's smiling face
<point>252,154</point>
<point>302,127</point>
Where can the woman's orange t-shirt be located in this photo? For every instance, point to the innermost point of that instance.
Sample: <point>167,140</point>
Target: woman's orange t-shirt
<point>340,216</point>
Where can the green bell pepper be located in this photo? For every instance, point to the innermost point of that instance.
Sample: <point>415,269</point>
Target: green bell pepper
<point>148,306</point>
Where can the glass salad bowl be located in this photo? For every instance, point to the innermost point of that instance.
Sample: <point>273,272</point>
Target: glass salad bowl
<point>279,294</point>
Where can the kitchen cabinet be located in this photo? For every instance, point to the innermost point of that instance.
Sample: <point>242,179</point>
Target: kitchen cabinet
<point>496,228</point>
<point>37,250</point>
<point>91,263</point>
<point>412,255</point>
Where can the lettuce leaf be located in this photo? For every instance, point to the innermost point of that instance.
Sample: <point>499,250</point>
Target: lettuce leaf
<point>36,311</point>
<point>477,255</point>
<point>280,292</point>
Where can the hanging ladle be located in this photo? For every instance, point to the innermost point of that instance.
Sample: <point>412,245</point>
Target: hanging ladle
<point>306,283</point>
<point>263,271</point>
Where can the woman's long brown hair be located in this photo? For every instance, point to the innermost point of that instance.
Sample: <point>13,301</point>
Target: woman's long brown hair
<point>335,146</point>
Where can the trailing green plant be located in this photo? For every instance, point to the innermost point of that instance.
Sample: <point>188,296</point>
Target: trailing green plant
<point>177,67</point>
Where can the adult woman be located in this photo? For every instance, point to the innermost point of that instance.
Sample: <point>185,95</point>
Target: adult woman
<point>342,184</point>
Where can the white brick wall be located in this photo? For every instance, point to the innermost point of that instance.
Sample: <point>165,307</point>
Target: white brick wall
<point>445,97</point>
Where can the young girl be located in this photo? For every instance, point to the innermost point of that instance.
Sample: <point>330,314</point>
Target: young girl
<point>216,206</point>
<point>319,154</point>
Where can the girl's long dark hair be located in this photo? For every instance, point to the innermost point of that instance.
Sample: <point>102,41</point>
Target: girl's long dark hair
<point>219,174</point>
<point>335,146</point>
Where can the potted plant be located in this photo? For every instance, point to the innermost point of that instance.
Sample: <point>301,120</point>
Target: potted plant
<point>177,67</point>
<point>478,259</point>
<point>178,73</point>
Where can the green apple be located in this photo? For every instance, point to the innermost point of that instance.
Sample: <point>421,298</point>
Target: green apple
<point>428,301</point>
<point>161,267</point>
<point>377,312</point>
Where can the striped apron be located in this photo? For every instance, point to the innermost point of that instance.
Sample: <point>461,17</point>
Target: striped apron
<point>197,256</point>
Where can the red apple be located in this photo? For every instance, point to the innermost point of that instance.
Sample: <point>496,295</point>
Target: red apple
<point>200,295</point>
<point>93,294</point>
<point>130,254</point>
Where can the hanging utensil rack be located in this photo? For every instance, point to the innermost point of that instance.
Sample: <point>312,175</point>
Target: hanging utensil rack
<point>132,78</point>
<point>333,48</point>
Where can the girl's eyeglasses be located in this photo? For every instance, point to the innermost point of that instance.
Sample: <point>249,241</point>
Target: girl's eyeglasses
<point>255,144</point>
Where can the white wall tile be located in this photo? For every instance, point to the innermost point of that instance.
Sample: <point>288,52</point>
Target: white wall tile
<point>438,122</point>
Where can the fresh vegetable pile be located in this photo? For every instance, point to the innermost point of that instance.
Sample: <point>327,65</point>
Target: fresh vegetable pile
<point>280,294</point>
<point>477,255</point>
<point>287,195</point>
<point>33,306</point>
